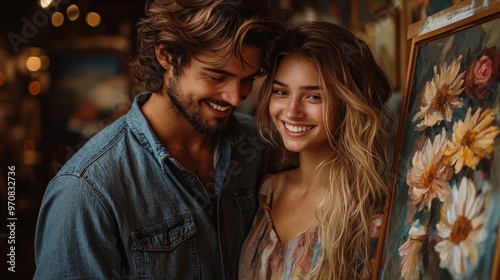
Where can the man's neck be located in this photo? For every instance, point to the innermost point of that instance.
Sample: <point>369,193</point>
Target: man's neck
<point>171,129</point>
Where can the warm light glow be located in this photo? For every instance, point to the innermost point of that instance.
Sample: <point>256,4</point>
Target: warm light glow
<point>29,145</point>
<point>93,19</point>
<point>73,12</point>
<point>2,79</point>
<point>45,62</point>
<point>45,3</point>
<point>35,87</point>
<point>57,19</point>
<point>33,63</point>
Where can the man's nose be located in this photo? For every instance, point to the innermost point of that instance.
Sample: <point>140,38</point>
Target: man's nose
<point>236,92</point>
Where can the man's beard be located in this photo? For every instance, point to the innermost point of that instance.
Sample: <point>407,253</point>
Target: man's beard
<point>187,108</point>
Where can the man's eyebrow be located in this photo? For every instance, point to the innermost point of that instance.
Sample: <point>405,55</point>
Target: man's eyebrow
<point>308,88</point>
<point>218,71</point>
<point>227,73</point>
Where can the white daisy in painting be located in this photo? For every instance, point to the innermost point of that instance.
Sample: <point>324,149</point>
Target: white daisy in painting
<point>429,177</point>
<point>472,139</point>
<point>411,251</point>
<point>461,229</point>
<point>441,95</point>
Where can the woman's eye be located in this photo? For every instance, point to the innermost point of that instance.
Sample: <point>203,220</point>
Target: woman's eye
<point>314,97</point>
<point>279,92</point>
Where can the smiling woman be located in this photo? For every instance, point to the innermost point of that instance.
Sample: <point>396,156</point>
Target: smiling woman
<point>296,106</point>
<point>325,101</point>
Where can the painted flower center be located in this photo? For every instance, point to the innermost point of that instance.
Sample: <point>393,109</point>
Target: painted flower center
<point>441,98</point>
<point>461,230</point>
<point>428,176</point>
<point>468,138</point>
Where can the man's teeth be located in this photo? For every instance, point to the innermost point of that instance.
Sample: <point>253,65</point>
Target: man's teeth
<point>293,128</point>
<point>218,107</point>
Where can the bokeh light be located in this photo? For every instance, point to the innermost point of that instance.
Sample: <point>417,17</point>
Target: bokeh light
<point>35,87</point>
<point>57,19</point>
<point>33,63</point>
<point>93,19</point>
<point>73,12</point>
<point>45,3</point>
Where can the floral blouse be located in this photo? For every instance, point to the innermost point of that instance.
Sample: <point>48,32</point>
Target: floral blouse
<point>264,256</point>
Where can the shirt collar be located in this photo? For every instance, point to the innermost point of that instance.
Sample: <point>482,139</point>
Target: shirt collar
<point>140,127</point>
<point>142,130</point>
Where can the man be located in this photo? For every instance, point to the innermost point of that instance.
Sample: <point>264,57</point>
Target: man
<point>167,191</point>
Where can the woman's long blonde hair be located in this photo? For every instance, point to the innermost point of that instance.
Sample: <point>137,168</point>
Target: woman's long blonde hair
<point>354,177</point>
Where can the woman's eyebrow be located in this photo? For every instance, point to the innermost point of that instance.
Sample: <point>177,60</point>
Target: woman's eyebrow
<point>308,87</point>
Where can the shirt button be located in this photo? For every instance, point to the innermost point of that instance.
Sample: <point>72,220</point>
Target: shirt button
<point>210,212</point>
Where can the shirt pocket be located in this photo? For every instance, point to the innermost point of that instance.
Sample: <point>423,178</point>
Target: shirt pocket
<point>167,249</point>
<point>247,204</point>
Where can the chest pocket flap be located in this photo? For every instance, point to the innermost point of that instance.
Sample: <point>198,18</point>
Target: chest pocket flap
<point>166,235</point>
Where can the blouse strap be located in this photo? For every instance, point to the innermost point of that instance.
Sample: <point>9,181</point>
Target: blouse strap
<point>267,188</point>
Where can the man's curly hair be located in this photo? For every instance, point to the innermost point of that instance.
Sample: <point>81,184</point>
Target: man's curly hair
<point>188,28</point>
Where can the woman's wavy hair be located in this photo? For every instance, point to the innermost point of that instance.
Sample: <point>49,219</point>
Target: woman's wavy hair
<point>190,27</point>
<point>354,177</point>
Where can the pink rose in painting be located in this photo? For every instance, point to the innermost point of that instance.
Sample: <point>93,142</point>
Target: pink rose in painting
<point>482,73</point>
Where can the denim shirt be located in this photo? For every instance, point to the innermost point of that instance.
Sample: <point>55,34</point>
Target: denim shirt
<point>123,208</point>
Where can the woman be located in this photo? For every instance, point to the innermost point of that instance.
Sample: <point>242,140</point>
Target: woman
<point>324,100</point>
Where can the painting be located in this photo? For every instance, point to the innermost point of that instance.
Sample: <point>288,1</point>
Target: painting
<point>442,220</point>
<point>376,5</point>
<point>383,40</point>
<point>363,11</point>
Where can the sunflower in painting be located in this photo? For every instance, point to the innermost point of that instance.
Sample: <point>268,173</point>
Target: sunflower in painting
<point>472,139</point>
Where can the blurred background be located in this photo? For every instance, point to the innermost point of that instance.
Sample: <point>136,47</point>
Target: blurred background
<point>64,76</point>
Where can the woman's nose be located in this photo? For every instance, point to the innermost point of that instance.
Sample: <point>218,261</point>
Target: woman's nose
<point>294,109</point>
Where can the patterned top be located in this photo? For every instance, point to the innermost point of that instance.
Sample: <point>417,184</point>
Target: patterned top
<point>264,256</point>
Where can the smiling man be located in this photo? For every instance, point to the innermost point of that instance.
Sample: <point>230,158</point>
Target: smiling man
<point>168,190</point>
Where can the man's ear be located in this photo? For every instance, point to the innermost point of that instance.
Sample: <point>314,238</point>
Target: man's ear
<point>163,57</point>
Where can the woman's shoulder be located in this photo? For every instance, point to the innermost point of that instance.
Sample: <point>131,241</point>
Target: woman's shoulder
<point>274,182</point>
<point>266,185</point>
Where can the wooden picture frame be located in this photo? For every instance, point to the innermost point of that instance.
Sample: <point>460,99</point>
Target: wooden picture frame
<point>442,219</point>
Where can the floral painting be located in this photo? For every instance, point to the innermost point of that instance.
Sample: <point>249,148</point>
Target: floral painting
<point>444,217</point>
